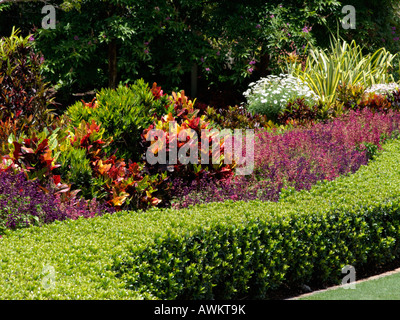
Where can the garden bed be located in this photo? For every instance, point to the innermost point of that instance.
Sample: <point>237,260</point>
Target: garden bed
<point>90,207</point>
<point>229,250</point>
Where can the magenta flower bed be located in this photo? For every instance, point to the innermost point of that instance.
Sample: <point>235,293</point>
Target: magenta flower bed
<point>23,203</point>
<point>298,159</point>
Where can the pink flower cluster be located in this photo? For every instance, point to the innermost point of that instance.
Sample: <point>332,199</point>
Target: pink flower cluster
<point>298,158</point>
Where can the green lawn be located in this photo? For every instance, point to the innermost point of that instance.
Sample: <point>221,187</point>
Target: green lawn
<point>384,288</point>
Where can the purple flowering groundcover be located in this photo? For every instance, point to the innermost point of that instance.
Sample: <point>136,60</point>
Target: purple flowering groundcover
<point>298,159</point>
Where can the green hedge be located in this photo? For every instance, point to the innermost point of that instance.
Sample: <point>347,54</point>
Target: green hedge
<point>230,250</point>
<point>258,247</point>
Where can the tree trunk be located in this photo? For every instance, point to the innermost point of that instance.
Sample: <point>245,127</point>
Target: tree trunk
<point>193,87</point>
<point>112,64</point>
<point>263,67</point>
<point>112,53</point>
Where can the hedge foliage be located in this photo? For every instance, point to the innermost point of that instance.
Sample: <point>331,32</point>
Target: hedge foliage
<point>229,250</point>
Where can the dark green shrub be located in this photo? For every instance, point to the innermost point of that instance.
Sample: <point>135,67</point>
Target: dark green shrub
<point>166,40</point>
<point>298,112</point>
<point>75,168</point>
<point>24,95</point>
<point>124,113</point>
<point>236,118</point>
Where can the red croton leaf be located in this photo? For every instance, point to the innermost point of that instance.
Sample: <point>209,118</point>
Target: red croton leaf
<point>57,179</point>
<point>194,123</point>
<point>156,91</point>
<point>91,104</point>
<point>43,145</point>
<point>99,141</point>
<point>133,168</point>
<point>85,140</point>
<point>17,150</point>
<point>94,127</point>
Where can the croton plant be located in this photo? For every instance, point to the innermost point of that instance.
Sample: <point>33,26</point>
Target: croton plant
<point>185,118</point>
<point>123,185</point>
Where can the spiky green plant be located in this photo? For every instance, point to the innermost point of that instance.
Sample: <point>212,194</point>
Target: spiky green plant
<point>343,63</point>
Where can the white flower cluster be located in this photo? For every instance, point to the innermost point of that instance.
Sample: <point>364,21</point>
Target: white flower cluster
<point>383,88</point>
<point>272,93</point>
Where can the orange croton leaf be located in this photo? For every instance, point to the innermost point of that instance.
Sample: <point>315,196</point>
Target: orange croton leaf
<point>45,190</point>
<point>169,117</point>
<point>119,200</point>
<point>94,127</point>
<point>47,156</point>
<point>103,167</point>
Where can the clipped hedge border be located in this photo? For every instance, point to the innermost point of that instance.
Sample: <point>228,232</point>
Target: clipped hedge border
<point>228,250</point>
<point>307,237</point>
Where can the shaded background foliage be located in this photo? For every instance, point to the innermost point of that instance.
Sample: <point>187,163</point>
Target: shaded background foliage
<point>223,45</point>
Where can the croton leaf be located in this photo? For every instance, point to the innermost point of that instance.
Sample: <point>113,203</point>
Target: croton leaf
<point>57,179</point>
<point>103,168</point>
<point>17,150</point>
<point>26,150</point>
<point>120,199</point>
<point>42,146</point>
<point>155,201</point>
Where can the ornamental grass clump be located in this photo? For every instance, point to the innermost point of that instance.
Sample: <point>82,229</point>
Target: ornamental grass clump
<point>342,63</point>
<point>269,96</point>
<point>298,159</point>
